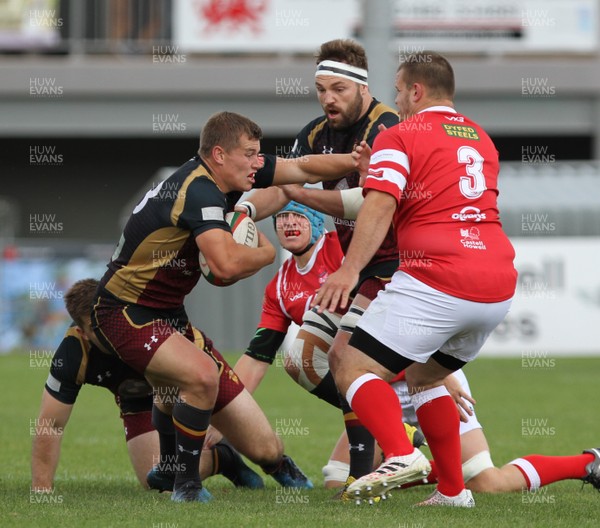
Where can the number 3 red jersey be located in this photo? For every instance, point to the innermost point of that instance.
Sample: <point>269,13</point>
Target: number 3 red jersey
<point>442,168</point>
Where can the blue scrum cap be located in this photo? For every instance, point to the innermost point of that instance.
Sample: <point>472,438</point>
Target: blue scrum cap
<point>316,219</point>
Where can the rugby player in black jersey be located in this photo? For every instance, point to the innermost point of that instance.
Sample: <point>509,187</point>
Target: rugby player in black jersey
<point>351,116</point>
<point>139,313</point>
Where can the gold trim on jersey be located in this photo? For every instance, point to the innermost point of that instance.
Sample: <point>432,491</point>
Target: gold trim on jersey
<point>314,132</point>
<point>375,114</point>
<point>178,206</point>
<point>129,282</point>
<point>85,349</point>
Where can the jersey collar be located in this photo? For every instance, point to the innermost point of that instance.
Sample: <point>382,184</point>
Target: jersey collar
<point>447,109</point>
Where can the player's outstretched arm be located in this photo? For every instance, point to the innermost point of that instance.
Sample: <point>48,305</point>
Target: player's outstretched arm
<point>250,371</point>
<point>263,203</point>
<point>259,356</point>
<point>314,168</point>
<point>49,429</point>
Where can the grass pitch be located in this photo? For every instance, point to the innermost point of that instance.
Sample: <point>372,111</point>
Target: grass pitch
<point>545,407</point>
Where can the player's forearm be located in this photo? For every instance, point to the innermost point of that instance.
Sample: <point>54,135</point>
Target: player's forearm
<point>250,371</point>
<point>320,167</point>
<point>266,202</point>
<point>245,262</point>
<point>325,201</point>
<point>374,219</point>
<point>313,168</point>
<point>44,461</point>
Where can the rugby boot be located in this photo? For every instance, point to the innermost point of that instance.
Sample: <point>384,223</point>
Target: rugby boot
<point>191,491</point>
<point>288,474</point>
<point>593,469</point>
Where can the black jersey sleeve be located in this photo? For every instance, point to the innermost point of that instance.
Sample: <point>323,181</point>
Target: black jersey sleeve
<point>264,345</point>
<point>62,379</point>
<point>204,208</point>
<point>264,176</point>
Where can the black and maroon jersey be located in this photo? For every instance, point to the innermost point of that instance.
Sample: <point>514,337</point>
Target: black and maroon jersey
<point>77,362</point>
<point>156,261</point>
<point>318,138</point>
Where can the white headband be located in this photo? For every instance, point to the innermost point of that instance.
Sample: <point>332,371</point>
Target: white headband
<point>341,69</point>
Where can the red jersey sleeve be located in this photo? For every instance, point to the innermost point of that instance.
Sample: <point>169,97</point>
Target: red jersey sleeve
<point>389,167</point>
<point>272,316</point>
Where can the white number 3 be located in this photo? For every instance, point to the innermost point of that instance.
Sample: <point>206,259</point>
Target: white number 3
<point>472,185</point>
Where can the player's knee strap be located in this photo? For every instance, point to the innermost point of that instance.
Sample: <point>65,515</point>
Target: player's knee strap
<point>351,318</point>
<point>135,395</point>
<point>475,465</point>
<point>306,361</point>
<point>335,471</point>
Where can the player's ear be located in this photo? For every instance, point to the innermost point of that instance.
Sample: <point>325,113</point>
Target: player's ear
<point>80,331</point>
<point>218,154</point>
<point>417,92</point>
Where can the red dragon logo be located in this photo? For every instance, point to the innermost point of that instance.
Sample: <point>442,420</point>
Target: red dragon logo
<point>231,14</point>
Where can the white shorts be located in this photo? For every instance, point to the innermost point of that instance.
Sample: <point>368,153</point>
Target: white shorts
<point>408,411</point>
<point>416,320</point>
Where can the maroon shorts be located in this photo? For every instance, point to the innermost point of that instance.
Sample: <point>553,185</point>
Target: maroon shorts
<point>370,287</point>
<point>134,333</point>
<point>137,424</point>
<point>374,277</point>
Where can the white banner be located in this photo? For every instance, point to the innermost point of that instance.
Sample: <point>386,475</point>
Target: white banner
<point>260,25</point>
<point>516,26</point>
<point>272,26</point>
<point>556,310</point>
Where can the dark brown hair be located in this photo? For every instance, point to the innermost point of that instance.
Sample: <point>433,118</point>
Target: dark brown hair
<point>347,51</point>
<point>225,130</point>
<point>430,69</point>
<point>80,298</point>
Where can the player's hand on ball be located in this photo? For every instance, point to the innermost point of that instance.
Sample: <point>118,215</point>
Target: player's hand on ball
<point>264,242</point>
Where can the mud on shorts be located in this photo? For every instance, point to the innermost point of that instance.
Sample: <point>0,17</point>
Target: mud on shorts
<point>134,333</point>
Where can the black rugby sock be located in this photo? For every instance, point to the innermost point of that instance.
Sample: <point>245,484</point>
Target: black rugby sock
<point>224,461</point>
<point>163,423</point>
<point>190,430</point>
<point>327,391</point>
<point>362,443</point>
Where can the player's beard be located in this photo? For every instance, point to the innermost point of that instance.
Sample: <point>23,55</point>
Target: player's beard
<point>350,116</point>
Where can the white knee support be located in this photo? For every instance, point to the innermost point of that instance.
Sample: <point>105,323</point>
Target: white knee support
<point>335,471</point>
<point>351,318</point>
<point>306,361</point>
<point>475,465</point>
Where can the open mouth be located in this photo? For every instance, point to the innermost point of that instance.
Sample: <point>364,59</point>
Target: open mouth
<point>291,233</point>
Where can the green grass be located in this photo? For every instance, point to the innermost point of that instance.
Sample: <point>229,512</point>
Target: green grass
<point>95,485</point>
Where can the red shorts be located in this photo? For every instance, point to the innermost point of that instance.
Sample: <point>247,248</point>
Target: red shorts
<point>134,333</point>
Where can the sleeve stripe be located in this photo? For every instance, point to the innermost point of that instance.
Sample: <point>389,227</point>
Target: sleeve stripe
<point>391,175</point>
<point>391,156</point>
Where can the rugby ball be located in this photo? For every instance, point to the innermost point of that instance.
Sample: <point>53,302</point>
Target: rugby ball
<point>244,232</point>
